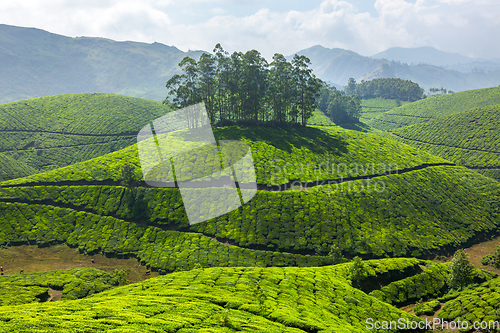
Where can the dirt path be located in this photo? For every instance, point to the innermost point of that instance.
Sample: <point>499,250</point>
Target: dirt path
<point>31,258</point>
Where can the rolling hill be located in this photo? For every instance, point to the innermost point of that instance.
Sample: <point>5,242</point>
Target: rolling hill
<point>435,107</point>
<point>424,54</point>
<point>36,63</point>
<point>374,107</point>
<point>367,209</point>
<point>45,133</point>
<point>275,299</point>
<point>338,65</point>
<point>233,299</point>
<point>470,138</point>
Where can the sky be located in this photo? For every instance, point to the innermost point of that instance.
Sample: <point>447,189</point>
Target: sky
<point>468,27</point>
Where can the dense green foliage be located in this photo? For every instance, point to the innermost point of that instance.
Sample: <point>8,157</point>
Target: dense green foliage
<point>428,308</point>
<point>439,206</point>
<point>396,214</point>
<point>318,118</point>
<point>74,283</point>
<point>308,154</point>
<point>461,271</point>
<point>478,304</point>
<point>470,138</point>
<point>430,282</point>
<point>45,133</point>
<point>338,106</point>
<point>391,88</point>
<point>374,107</point>
<point>253,299</point>
<point>12,168</point>
<point>242,87</point>
<point>492,259</point>
<point>165,250</point>
<point>435,107</point>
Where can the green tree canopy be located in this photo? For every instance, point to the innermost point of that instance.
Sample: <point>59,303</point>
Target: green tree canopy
<point>243,87</point>
<point>462,272</point>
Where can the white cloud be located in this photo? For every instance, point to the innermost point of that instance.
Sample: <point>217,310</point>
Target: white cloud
<point>464,26</point>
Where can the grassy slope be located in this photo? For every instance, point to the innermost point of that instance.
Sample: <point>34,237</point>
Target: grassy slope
<point>39,63</point>
<point>435,107</point>
<point>374,107</point>
<point>51,132</point>
<point>475,304</point>
<point>73,283</point>
<point>318,118</point>
<point>12,168</point>
<point>470,138</point>
<point>279,155</point>
<point>253,299</point>
<point>441,206</point>
<point>224,300</point>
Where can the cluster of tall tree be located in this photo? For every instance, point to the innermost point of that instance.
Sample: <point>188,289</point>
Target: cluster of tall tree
<point>245,88</point>
<point>338,106</point>
<point>399,89</point>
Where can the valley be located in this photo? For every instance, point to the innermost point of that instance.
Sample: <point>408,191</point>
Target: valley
<point>350,223</point>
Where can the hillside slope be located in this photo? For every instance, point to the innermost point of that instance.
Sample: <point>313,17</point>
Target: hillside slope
<point>435,107</point>
<point>374,107</point>
<point>291,300</point>
<point>45,133</point>
<point>338,65</point>
<point>470,138</point>
<point>36,63</point>
<point>423,204</point>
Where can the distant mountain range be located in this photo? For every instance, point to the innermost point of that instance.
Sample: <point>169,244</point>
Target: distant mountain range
<point>35,63</point>
<point>337,66</point>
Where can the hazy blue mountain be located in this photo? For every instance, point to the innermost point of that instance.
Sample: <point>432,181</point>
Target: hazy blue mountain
<point>424,54</point>
<point>337,66</point>
<point>432,56</point>
<point>34,63</point>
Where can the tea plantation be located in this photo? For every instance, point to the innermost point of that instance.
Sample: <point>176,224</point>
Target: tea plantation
<point>306,154</point>
<point>73,283</point>
<point>374,107</point>
<point>470,138</point>
<point>41,134</point>
<point>277,263</point>
<point>435,107</point>
<point>475,304</point>
<point>318,118</point>
<point>412,213</point>
<point>319,299</point>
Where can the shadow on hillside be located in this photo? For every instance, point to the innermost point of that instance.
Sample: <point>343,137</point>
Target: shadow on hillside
<point>287,138</point>
<point>360,127</point>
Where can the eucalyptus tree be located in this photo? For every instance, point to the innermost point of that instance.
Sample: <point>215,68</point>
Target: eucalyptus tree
<point>254,85</point>
<point>184,87</point>
<point>206,83</point>
<point>222,73</point>
<point>307,85</point>
<point>234,86</point>
<point>281,87</point>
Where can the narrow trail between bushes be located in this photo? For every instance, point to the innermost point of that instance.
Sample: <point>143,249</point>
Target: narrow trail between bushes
<point>291,185</point>
<point>142,223</point>
<point>443,145</point>
<point>130,134</point>
<point>59,147</point>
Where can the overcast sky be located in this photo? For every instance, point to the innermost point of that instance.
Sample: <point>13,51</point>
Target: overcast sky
<point>469,27</point>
